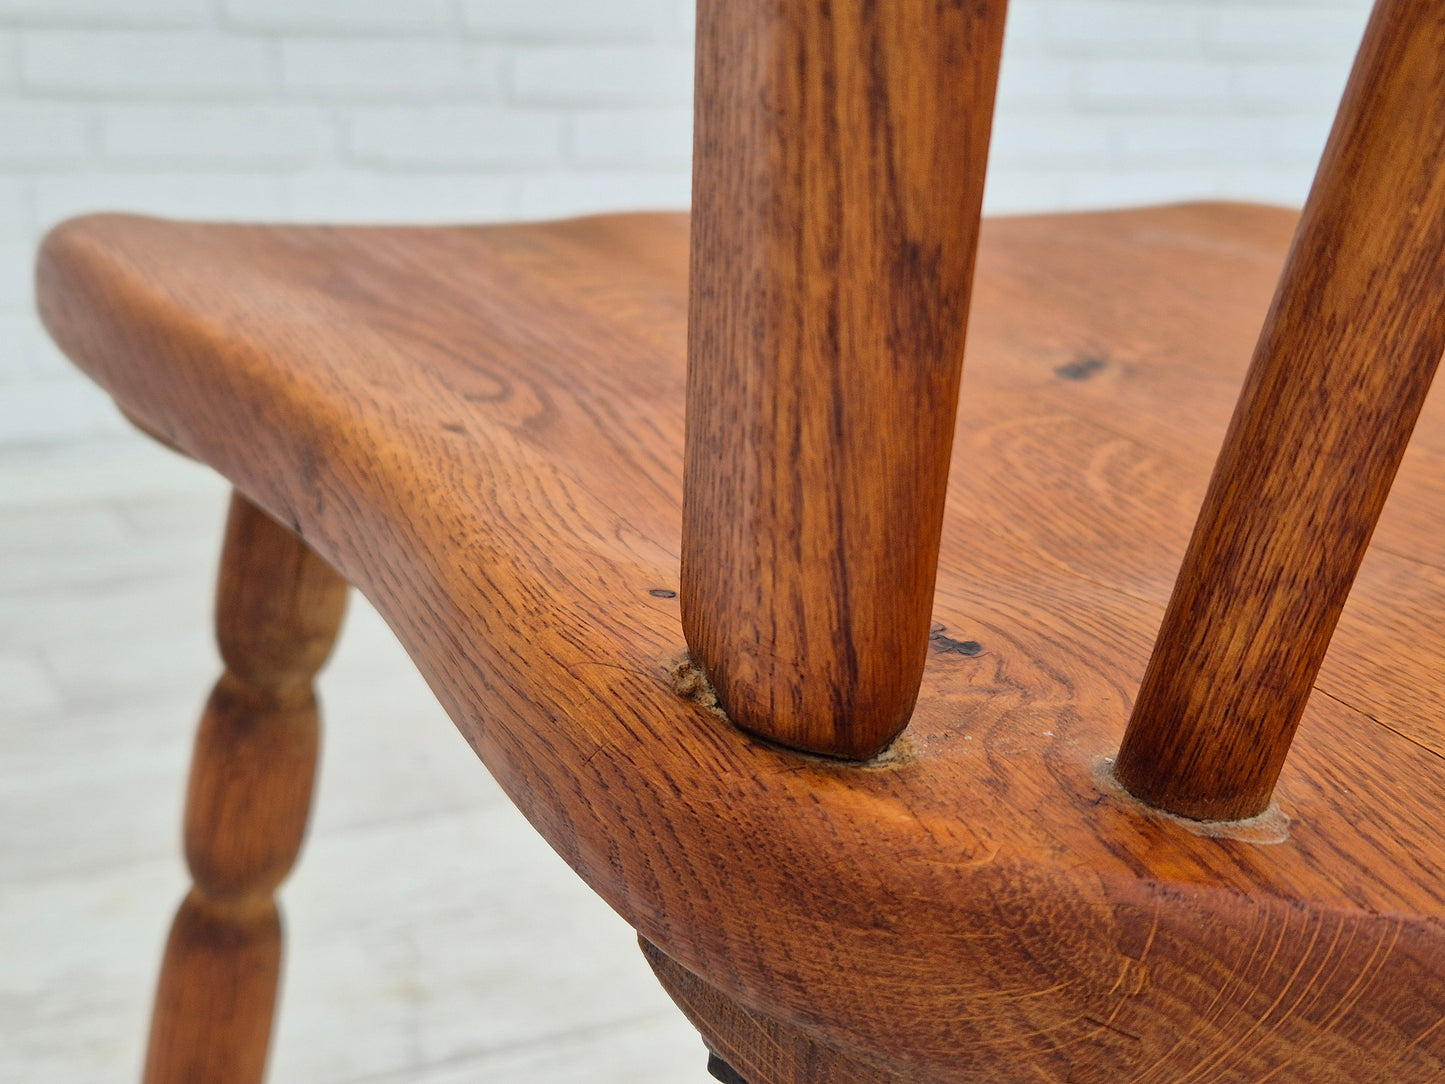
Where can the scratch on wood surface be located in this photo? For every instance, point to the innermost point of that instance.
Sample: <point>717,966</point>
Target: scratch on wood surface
<point>1210,1014</point>
<point>1380,722</point>
<point>1370,971</point>
<point>1221,1057</point>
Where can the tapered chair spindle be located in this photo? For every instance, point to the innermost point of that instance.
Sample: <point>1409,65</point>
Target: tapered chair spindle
<point>838,177</point>
<point>1347,354</point>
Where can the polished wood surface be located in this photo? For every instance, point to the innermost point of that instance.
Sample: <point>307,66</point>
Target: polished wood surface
<point>1340,373</point>
<point>278,608</point>
<point>482,430</point>
<point>838,175</point>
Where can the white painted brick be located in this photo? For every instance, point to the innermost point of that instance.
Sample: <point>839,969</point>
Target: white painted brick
<point>557,20</point>
<point>31,688</point>
<point>1361,6</point>
<point>42,133</point>
<point>26,350</point>
<point>354,196</point>
<point>1015,191</point>
<point>684,20</point>
<point>1026,28</point>
<point>14,208</point>
<point>1194,139</point>
<point>1240,141</point>
<point>1053,138</point>
<point>1027,82</point>
<point>455,135</point>
<point>633,137</point>
<point>389,70</point>
<point>1154,84</point>
<point>17,276</point>
<point>1122,28</point>
<point>259,134</point>
<point>1288,86</point>
<point>77,61</point>
<point>9,61</point>
<point>1270,32</point>
<point>1285,186</point>
<point>342,16</point>
<point>1134,187</point>
<point>239,196</point>
<point>128,13</point>
<point>566,194</point>
<point>1300,137</point>
<point>49,410</point>
<point>602,75</point>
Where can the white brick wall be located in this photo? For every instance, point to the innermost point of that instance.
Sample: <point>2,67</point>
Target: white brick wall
<point>337,17</point>
<point>348,71</point>
<point>418,110</point>
<point>176,65</point>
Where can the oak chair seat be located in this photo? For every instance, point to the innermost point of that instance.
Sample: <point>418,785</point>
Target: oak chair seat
<point>482,430</point>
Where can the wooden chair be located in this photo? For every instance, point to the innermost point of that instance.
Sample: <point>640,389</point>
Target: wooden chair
<point>482,430</point>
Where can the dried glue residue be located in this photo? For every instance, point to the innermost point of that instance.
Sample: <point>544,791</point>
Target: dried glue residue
<point>1269,827</point>
<point>690,683</point>
<point>900,751</point>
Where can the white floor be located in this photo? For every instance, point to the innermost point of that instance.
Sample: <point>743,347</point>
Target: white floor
<point>432,937</point>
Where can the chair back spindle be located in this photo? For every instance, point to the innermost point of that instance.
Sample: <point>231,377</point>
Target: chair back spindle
<point>1343,364</point>
<point>838,177</point>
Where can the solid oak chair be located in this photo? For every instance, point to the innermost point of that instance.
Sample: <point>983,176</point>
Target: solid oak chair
<point>482,429</point>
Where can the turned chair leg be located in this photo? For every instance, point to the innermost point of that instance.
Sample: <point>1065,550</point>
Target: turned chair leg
<point>278,608</point>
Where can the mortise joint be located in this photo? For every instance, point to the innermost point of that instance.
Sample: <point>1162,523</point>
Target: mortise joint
<point>691,683</point>
<point>1269,827</point>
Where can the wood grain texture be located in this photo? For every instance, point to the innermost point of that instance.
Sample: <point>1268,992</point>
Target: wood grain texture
<point>482,429</point>
<point>754,1047</point>
<point>1341,371</point>
<point>838,174</point>
<point>278,608</point>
